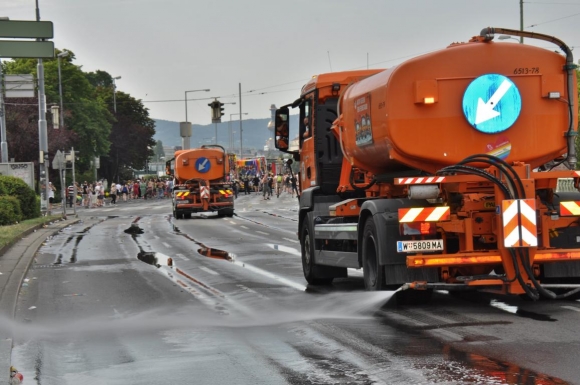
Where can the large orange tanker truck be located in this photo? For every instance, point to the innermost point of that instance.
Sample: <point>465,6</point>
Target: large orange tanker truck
<point>200,182</point>
<point>441,173</point>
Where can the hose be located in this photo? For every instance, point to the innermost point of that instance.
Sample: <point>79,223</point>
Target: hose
<point>515,182</point>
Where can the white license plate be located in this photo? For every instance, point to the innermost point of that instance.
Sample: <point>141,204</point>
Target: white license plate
<point>419,246</point>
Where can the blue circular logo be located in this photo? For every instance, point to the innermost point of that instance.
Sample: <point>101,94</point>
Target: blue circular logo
<point>202,165</point>
<point>492,103</point>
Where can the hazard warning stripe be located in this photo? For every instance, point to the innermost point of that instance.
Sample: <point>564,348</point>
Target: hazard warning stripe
<point>424,214</point>
<point>204,192</point>
<point>519,223</point>
<point>422,180</point>
<point>569,209</point>
<point>182,193</point>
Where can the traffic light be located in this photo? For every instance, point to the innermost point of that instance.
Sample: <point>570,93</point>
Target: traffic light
<point>217,111</point>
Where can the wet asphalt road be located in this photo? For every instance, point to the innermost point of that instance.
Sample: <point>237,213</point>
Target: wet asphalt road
<point>101,307</point>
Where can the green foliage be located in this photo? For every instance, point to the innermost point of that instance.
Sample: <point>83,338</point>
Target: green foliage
<point>9,210</point>
<point>85,113</point>
<point>17,188</point>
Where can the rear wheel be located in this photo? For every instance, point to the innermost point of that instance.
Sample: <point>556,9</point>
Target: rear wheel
<point>373,272</point>
<point>311,271</point>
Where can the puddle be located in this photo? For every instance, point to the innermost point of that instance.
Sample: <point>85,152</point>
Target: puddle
<point>134,229</point>
<point>155,259</point>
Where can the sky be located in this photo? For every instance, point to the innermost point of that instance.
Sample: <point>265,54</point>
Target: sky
<point>162,48</point>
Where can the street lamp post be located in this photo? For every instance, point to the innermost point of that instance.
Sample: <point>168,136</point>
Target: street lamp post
<point>205,89</point>
<point>114,93</point>
<point>62,54</point>
<point>231,138</point>
<point>506,37</point>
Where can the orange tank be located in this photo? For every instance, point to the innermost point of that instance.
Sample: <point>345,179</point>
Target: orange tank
<point>428,113</point>
<point>201,163</point>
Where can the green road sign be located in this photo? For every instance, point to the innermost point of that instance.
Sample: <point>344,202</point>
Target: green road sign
<point>26,49</point>
<point>26,29</point>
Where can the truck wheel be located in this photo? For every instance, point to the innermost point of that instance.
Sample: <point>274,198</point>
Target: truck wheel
<point>311,271</point>
<point>187,215</point>
<point>373,272</point>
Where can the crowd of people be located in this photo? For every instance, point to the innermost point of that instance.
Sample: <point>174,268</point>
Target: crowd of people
<point>268,183</point>
<point>98,194</point>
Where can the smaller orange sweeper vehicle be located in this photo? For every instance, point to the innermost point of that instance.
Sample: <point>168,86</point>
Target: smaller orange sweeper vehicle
<point>200,182</point>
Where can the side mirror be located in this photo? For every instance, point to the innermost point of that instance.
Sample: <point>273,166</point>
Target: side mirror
<point>282,129</point>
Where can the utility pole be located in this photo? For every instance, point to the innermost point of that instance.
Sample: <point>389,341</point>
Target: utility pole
<point>42,134</point>
<point>4,145</point>
<point>521,20</point>
<point>241,145</point>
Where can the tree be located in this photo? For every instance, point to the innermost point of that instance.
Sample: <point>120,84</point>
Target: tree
<point>87,119</point>
<point>131,137</point>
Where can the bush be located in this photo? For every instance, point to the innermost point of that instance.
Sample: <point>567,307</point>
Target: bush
<point>9,210</point>
<point>17,188</point>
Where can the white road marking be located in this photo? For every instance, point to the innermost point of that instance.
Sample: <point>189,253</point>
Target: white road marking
<point>285,249</point>
<point>209,270</point>
<point>245,227</point>
<point>156,237</point>
<point>262,232</point>
<point>182,257</point>
<point>291,240</point>
<point>571,308</point>
<point>232,222</point>
<point>167,245</point>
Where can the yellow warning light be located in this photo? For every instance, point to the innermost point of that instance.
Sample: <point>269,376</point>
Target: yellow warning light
<point>429,100</point>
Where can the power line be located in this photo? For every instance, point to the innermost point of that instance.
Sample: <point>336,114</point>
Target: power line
<point>549,21</point>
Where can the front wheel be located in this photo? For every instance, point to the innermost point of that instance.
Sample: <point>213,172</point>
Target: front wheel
<point>311,272</point>
<point>373,272</point>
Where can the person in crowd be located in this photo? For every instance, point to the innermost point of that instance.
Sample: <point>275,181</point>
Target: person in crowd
<point>256,183</point>
<point>246,185</point>
<point>125,192</point>
<point>51,190</point>
<point>136,190</point>
<point>85,195</point>
<point>293,184</point>
<point>113,193</point>
<point>160,188</point>
<point>236,188</point>
<point>98,192</point>
<point>93,195</point>
<point>70,195</point>
<point>168,188</point>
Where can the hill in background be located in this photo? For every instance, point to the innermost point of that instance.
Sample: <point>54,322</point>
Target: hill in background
<point>254,133</point>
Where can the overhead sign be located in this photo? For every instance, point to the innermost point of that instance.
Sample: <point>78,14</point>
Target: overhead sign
<point>492,103</point>
<point>26,49</point>
<point>16,29</point>
<point>19,86</point>
<point>202,165</point>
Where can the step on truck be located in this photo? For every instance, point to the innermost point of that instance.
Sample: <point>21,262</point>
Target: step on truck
<point>441,173</point>
<point>201,182</point>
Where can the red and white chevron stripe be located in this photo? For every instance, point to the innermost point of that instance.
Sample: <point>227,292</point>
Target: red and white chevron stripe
<point>422,180</point>
<point>519,223</point>
<point>424,214</point>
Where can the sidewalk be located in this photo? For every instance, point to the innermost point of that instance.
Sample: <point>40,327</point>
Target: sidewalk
<point>14,263</point>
